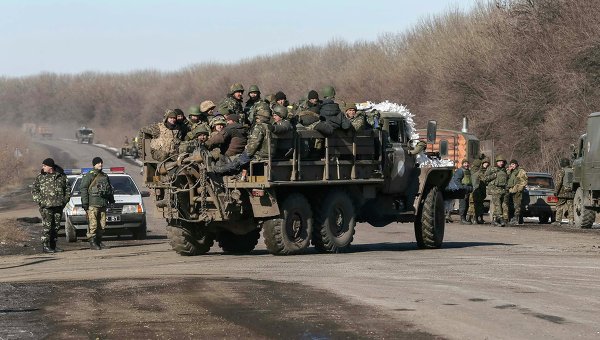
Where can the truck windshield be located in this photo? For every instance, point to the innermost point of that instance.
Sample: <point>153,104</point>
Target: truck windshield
<point>122,185</point>
<point>541,182</point>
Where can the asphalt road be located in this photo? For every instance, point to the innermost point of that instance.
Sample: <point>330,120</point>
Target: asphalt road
<point>527,282</point>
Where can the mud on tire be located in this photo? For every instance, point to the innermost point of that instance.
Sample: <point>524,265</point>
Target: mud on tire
<point>232,243</point>
<point>335,219</point>
<point>430,222</point>
<point>292,231</point>
<point>186,242</point>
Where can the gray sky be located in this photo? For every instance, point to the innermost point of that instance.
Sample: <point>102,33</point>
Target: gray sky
<point>68,36</point>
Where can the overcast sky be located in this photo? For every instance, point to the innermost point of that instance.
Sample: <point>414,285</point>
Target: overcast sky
<point>68,36</point>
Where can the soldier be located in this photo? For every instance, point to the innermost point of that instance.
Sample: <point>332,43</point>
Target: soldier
<point>479,190</point>
<point>564,193</point>
<point>472,213</point>
<point>51,192</point>
<point>233,103</point>
<point>280,98</point>
<point>166,136</point>
<point>252,102</point>
<point>497,180</point>
<point>357,120</point>
<point>207,108</point>
<point>232,139</point>
<point>199,136</point>
<point>461,180</point>
<point>330,110</point>
<point>517,181</point>
<point>310,120</point>
<point>280,124</point>
<point>197,118</point>
<point>96,195</point>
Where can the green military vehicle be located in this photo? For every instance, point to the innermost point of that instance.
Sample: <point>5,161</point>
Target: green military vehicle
<point>310,189</point>
<point>584,179</point>
<point>84,135</point>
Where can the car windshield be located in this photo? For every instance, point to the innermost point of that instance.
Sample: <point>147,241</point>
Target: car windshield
<point>540,182</point>
<point>85,131</point>
<point>122,185</point>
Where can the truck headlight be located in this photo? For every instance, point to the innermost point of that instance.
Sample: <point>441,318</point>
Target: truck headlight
<point>133,209</point>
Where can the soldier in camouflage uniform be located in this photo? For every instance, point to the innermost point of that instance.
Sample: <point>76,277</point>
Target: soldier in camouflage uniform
<point>479,190</point>
<point>330,110</point>
<point>252,103</point>
<point>280,124</point>
<point>356,119</point>
<point>564,193</point>
<point>233,103</point>
<point>517,181</point>
<point>497,180</point>
<point>96,195</point>
<point>198,135</point>
<point>51,192</point>
<point>472,213</point>
<point>166,136</point>
<point>197,119</point>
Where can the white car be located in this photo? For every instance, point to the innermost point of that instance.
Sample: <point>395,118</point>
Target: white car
<point>127,215</point>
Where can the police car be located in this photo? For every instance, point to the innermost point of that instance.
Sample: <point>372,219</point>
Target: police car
<point>126,216</point>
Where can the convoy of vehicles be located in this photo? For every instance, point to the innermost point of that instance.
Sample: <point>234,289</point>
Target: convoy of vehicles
<point>310,189</point>
<point>126,216</point>
<point>84,135</point>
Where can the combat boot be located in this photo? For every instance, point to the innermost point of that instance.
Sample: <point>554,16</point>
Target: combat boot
<point>464,220</point>
<point>54,247</point>
<point>519,219</point>
<point>502,222</point>
<point>513,221</point>
<point>496,222</point>
<point>100,243</point>
<point>46,247</point>
<point>480,219</point>
<point>94,244</point>
<point>448,218</point>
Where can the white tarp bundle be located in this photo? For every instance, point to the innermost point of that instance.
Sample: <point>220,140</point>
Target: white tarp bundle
<point>387,106</point>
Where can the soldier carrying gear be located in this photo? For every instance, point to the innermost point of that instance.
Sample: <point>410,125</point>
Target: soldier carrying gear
<point>96,195</point>
<point>166,136</point>
<point>564,193</point>
<point>233,103</point>
<point>50,191</point>
<point>517,181</point>
<point>497,179</point>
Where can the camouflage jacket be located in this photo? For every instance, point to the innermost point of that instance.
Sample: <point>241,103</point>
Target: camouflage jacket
<point>232,105</point>
<point>517,180</point>
<point>257,146</point>
<point>165,141</point>
<point>251,107</point>
<point>497,179</point>
<point>358,122</point>
<point>51,190</point>
<point>190,134</point>
<point>96,190</point>
<point>560,190</point>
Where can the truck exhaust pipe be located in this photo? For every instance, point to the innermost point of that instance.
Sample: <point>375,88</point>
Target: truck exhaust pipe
<point>465,125</point>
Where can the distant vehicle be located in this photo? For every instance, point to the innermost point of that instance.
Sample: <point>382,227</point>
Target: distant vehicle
<point>538,198</point>
<point>584,179</point>
<point>128,150</point>
<point>84,135</point>
<point>454,145</point>
<point>45,131</point>
<point>127,215</point>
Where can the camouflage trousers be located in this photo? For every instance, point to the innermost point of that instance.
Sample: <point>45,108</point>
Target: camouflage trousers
<point>96,221</point>
<point>50,223</point>
<point>515,201</point>
<point>500,203</point>
<point>476,203</point>
<point>563,209</point>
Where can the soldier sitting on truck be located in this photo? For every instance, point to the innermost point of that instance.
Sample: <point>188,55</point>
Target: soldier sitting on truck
<point>280,124</point>
<point>198,138</point>
<point>331,112</point>
<point>356,119</point>
<point>232,139</point>
<point>166,136</point>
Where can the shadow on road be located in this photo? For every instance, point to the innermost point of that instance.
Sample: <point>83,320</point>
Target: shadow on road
<point>407,246</point>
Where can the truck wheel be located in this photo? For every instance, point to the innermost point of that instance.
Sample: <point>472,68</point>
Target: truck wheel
<point>430,222</point>
<point>186,242</point>
<point>140,233</point>
<point>70,231</point>
<point>291,233</point>
<point>232,243</point>
<point>583,218</point>
<point>335,220</point>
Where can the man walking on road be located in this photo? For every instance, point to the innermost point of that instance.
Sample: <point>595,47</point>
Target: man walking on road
<point>51,192</point>
<point>517,181</point>
<point>96,195</point>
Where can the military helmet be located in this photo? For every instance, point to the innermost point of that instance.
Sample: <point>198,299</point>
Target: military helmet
<point>263,112</point>
<point>280,110</point>
<point>194,111</point>
<point>253,88</point>
<point>500,158</point>
<point>200,129</point>
<point>476,163</point>
<point>328,92</point>
<point>485,160</point>
<point>350,106</point>
<point>236,88</point>
<point>207,105</point>
<point>170,113</point>
<point>218,120</point>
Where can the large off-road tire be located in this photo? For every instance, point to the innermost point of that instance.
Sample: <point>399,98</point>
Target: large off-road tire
<point>430,222</point>
<point>232,243</point>
<point>292,231</point>
<point>582,217</point>
<point>70,231</point>
<point>140,233</point>
<point>335,220</point>
<point>189,242</point>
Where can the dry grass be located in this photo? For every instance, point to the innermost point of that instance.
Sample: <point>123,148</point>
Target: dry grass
<point>16,166</point>
<point>526,73</point>
<point>11,232</point>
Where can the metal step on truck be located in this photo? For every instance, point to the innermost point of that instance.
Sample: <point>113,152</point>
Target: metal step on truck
<point>311,189</point>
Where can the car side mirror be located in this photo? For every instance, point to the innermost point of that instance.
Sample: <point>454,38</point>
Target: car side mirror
<point>431,131</point>
<point>145,193</point>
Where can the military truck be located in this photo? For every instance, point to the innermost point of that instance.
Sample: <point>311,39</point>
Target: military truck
<point>310,188</point>
<point>84,135</point>
<point>584,179</point>
<point>128,150</point>
<point>45,131</point>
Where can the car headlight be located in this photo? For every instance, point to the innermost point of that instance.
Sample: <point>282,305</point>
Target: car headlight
<point>77,211</point>
<point>133,209</point>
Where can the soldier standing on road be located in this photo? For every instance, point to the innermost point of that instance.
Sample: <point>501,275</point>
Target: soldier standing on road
<point>461,180</point>
<point>233,103</point>
<point>480,192</point>
<point>517,181</point>
<point>564,193</point>
<point>96,195</point>
<point>473,213</point>
<point>51,192</point>
<point>497,180</point>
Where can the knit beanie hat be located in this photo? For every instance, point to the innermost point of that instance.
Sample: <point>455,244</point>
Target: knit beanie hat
<point>312,94</point>
<point>97,160</point>
<point>48,162</point>
<point>279,96</point>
